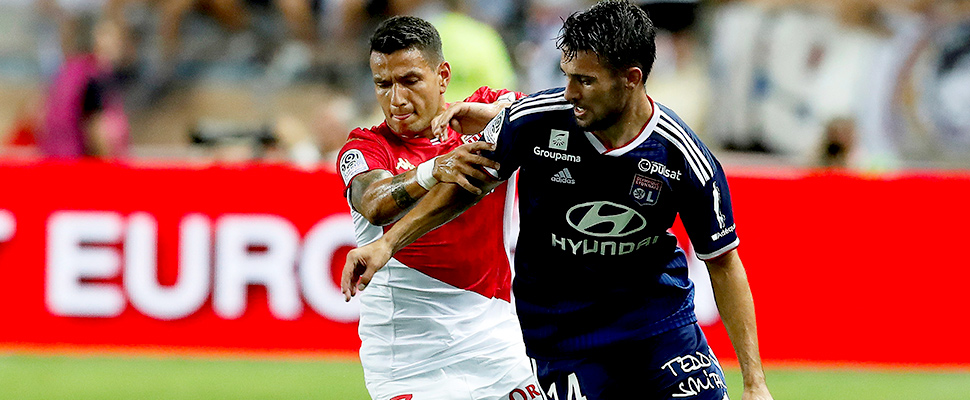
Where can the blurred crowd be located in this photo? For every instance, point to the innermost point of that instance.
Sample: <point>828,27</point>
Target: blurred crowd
<point>864,84</point>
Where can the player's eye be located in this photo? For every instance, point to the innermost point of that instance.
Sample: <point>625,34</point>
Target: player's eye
<point>383,84</point>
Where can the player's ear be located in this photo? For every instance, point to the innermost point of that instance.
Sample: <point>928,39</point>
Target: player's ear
<point>444,75</point>
<point>632,77</point>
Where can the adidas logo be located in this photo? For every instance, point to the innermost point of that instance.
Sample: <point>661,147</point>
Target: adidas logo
<point>564,177</point>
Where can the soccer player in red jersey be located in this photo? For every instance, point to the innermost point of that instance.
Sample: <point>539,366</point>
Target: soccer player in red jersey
<point>437,322</point>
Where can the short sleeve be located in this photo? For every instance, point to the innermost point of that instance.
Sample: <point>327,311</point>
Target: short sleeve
<point>502,134</point>
<point>363,152</point>
<point>707,213</point>
<point>486,94</point>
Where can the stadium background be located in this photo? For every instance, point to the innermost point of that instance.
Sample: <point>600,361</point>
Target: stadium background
<point>199,261</point>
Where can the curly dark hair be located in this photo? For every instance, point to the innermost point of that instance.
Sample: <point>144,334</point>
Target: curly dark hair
<point>619,33</point>
<point>407,32</point>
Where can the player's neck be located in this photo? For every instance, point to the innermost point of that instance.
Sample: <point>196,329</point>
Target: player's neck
<point>427,133</point>
<point>636,115</point>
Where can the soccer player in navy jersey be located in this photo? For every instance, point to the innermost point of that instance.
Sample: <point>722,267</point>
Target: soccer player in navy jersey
<point>601,288</point>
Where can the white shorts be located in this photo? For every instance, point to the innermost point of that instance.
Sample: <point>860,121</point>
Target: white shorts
<point>480,378</point>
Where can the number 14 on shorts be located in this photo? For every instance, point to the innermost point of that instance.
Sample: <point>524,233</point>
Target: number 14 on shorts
<point>573,391</point>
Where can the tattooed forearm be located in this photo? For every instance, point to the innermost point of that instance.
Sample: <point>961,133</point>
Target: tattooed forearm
<point>400,193</point>
<point>358,187</point>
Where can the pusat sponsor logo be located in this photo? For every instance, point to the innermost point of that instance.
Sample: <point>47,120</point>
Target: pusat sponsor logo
<point>564,177</point>
<point>653,167</point>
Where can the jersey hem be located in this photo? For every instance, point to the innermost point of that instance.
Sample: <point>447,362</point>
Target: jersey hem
<point>731,246</point>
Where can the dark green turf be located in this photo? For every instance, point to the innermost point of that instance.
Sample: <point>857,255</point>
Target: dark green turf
<point>28,377</point>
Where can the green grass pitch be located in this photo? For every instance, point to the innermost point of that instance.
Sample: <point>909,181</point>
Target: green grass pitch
<point>28,377</point>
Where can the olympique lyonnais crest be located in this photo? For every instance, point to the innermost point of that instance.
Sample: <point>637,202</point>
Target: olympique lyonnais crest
<point>645,191</point>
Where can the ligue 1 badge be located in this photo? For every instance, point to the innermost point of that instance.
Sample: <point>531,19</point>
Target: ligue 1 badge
<point>645,191</point>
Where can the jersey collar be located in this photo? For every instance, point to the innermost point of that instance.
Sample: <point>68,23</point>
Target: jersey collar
<point>421,140</point>
<point>632,144</point>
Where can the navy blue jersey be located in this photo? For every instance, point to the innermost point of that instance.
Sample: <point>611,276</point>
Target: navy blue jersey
<point>595,264</point>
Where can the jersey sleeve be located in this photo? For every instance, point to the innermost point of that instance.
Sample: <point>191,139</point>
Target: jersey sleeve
<point>706,212</point>
<point>503,134</point>
<point>486,94</point>
<point>363,152</point>
<point>508,130</point>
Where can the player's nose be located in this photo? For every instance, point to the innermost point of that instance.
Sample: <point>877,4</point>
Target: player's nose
<point>571,93</point>
<point>398,96</point>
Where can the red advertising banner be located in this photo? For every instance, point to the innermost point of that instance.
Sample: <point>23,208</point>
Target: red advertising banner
<point>843,268</point>
<point>236,258</point>
<point>855,269</point>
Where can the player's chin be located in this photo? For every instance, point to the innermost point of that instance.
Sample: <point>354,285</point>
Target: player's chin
<point>583,122</point>
<point>402,127</point>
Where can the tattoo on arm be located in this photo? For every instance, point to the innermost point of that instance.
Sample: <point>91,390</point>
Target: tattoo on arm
<point>400,193</point>
<point>358,187</point>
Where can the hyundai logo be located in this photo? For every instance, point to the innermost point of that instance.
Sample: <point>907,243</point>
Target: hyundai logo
<point>605,219</point>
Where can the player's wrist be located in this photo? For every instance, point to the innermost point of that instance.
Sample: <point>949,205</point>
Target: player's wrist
<point>754,382</point>
<point>424,174</point>
<point>389,244</point>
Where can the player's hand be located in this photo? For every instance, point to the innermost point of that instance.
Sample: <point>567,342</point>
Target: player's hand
<point>465,162</point>
<point>361,265</point>
<point>465,118</point>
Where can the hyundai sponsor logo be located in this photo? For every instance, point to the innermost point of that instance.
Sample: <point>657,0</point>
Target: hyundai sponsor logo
<point>605,219</point>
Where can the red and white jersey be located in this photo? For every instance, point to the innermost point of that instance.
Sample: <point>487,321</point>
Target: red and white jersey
<point>446,297</point>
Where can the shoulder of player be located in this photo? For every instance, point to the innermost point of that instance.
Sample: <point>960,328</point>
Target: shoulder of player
<point>372,142</point>
<point>376,135</point>
<point>373,132</point>
<point>486,94</point>
<point>677,135</point>
<point>539,104</point>
<point>366,149</point>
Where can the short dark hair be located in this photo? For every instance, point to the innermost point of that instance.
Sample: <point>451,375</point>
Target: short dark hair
<point>621,34</point>
<point>407,32</point>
